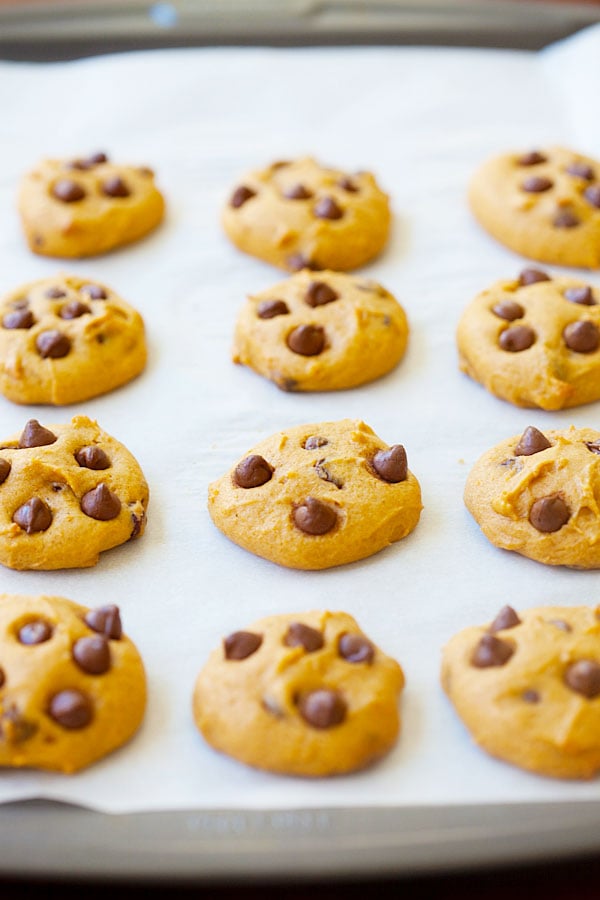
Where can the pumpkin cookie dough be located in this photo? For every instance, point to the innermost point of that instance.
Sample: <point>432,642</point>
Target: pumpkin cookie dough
<point>528,688</point>
<point>321,333</point>
<point>67,492</point>
<point>544,204</point>
<point>317,496</point>
<point>72,685</point>
<point>83,207</point>
<point>66,339</point>
<point>538,495</point>
<point>534,340</point>
<point>300,694</point>
<point>300,214</point>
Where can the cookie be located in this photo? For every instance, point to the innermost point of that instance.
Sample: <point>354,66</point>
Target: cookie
<point>534,340</point>
<point>537,495</point>
<point>72,685</point>
<point>301,215</point>
<point>67,492</point>
<point>322,333</point>
<point>300,694</point>
<point>528,686</point>
<point>317,496</point>
<point>66,339</point>
<point>83,207</point>
<point>542,204</point>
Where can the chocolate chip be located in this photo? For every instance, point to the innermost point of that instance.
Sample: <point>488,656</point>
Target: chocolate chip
<point>100,503</point>
<point>327,208</point>
<point>391,464</point>
<point>581,295</point>
<point>307,340</point>
<point>298,261</point>
<point>287,384</point>
<point>71,708</point>
<point>325,475</point>
<point>581,170</point>
<point>347,184</point>
<point>533,158</point>
<point>355,648</point>
<point>268,309</point>
<point>2,678</point>
<point>566,218</point>
<point>105,620</point>
<point>536,184</point>
<point>55,293</point>
<point>20,318</point>
<point>491,651</point>
<point>115,187</point>
<point>506,618</point>
<point>89,162</point>
<point>240,196</point>
<point>583,677</point>
<point>92,654</point>
<point>252,472</point>
<point>531,696</point>
<point>14,727</point>
<point>582,336</point>
<point>97,158</point>
<point>4,470</point>
<point>36,632</point>
<point>517,338</point>
<point>319,294</point>
<point>532,276</point>
<point>297,192</point>
<point>509,310</point>
<point>560,624</point>
<point>549,514</point>
<point>532,441</point>
<point>33,516</point>
<point>94,291</point>
<point>314,517</point>
<point>68,191</point>
<point>314,442</point>
<point>593,446</point>
<point>241,644</point>
<point>592,195</point>
<point>35,435</point>
<point>52,344</point>
<point>73,310</point>
<point>136,522</point>
<point>300,635</point>
<point>323,708</point>
<point>92,457</point>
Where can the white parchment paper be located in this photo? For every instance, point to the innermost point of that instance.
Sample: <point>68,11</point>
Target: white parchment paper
<point>422,120</point>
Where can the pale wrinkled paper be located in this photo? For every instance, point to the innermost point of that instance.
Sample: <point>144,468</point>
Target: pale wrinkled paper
<point>422,120</point>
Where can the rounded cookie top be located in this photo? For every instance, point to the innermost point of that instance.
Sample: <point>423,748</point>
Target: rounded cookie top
<point>72,685</point>
<point>317,496</point>
<point>66,339</point>
<point>300,214</point>
<point>544,204</point>
<point>84,207</point>
<point>534,340</point>
<point>300,694</point>
<point>537,495</point>
<point>527,687</point>
<point>321,332</point>
<point>67,492</point>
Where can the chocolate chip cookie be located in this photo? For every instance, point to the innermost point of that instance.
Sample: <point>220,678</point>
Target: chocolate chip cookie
<point>317,496</point>
<point>66,339</point>
<point>301,694</point>
<point>544,204</point>
<point>321,333</point>
<point>72,685</point>
<point>84,207</point>
<point>302,215</point>
<point>527,688</point>
<point>67,492</point>
<point>537,495</point>
<point>534,340</point>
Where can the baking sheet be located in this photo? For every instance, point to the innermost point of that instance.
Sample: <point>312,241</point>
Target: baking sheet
<point>422,120</point>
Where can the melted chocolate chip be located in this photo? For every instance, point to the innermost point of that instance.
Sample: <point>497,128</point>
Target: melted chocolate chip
<point>35,435</point>
<point>355,648</point>
<point>71,708</point>
<point>323,708</point>
<point>391,465</point>
<point>52,344</point>
<point>252,472</point>
<point>509,310</point>
<point>583,677</point>
<point>314,442</point>
<point>582,336</point>
<point>74,310</point>
<point>115,187</point>
<point>327,208</point>
<point>592,195</point>
<point>549,514</point>
<point>581,295</point>
<point>593,446</point>
<point>326,475</point>
<point>2,678</point>
<point>300,635</point>
<point>531,696</point>
<point>532,441</point>
<point>92,654</point>
<point>105,620</point>
<point>536,184</point>
<point>4,469</point>
<point>268,309</point>
<point>491,651</point>
<point>20,318</point>
<point>14,727</point>
<point>55,293</point>
<point>581,170</point>
<point>314,517</point>
<point>33,516</point>
<point>566,218</point>
<point>297,192</point>
<point>319,294</point>
<point>533,158</point>
<point>94,291</point>
<point>517,338</point>
<point>241,644</point>
<point>506,618</point>
<point>68,191</point>
<point>240,196</point>
<point>532,276</point>
<point>347,184</point>
<point>100,503</point>
<point>136,522</point>
<point>307,340</point>
<point>36,632</point>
